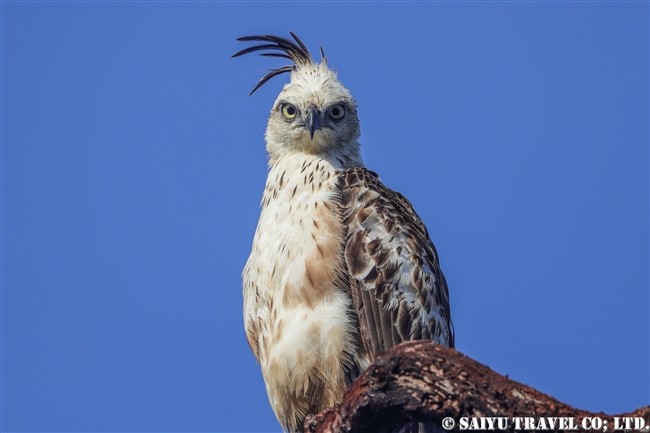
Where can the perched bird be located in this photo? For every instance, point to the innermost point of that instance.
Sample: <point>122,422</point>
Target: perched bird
<point>341,266</point>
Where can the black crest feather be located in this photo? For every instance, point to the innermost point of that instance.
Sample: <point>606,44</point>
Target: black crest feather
<point>296,51</point>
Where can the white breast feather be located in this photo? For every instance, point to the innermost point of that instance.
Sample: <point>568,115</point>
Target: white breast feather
<point>296,317</point>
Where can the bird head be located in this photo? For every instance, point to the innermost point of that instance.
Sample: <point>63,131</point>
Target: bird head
<point>314,113</point>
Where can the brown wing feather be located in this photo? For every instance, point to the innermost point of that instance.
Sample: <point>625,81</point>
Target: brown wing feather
<point>398,289</point>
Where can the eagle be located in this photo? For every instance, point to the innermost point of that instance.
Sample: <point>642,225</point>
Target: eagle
<point>341,266</point>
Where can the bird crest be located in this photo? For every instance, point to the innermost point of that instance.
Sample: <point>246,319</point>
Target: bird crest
<point>278,46</point>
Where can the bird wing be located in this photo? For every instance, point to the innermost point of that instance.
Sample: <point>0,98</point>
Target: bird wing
<point>398,289</point>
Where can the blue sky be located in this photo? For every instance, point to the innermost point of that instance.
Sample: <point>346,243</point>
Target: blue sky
<point>133,165</point>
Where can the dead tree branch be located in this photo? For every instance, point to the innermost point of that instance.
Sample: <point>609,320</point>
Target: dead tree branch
<point>422,381</point>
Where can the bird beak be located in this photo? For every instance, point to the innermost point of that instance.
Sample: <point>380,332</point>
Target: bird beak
<point>312,122</point>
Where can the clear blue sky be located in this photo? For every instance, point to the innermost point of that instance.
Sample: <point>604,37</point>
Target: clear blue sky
<point>133,165</point>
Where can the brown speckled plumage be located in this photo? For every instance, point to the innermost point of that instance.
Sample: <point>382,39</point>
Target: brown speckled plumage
<point>398,289</point>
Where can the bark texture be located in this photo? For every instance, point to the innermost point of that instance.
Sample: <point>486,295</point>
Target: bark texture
<point>425,382</point>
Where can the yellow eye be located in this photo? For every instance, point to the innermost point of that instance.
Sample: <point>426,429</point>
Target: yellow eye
<point>289,111</point>
<point>337,111</point>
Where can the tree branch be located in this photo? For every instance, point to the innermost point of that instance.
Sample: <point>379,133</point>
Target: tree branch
<point>425,382</point>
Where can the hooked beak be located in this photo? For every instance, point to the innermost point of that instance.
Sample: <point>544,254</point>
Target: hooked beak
<point>312,122</point>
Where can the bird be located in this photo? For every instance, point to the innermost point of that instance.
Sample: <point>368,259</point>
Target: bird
<point>341,266</point>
